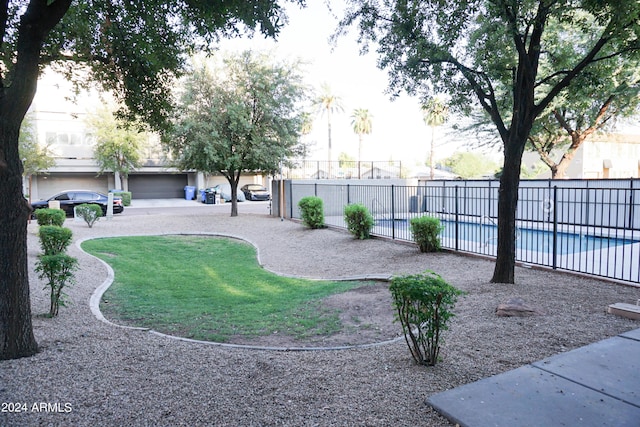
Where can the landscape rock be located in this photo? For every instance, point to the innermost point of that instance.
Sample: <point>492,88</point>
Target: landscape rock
<point>517,307</point>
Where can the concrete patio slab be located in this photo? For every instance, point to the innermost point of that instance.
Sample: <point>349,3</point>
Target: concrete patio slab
<point>634,335</point>
<point>596,385</point>
<point>611,367</point>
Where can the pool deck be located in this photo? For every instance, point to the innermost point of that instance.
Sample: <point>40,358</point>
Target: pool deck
<point>593,386</point>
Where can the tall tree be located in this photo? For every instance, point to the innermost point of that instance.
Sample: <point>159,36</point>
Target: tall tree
<point>134,49</point>
<point>305,130</point>
<point>498,54</point>
<point>329,103</point>
<point>118,145</point>
<point>36,158</point>
<point>361,122</point>
<point>244,115</point>
<point>434,113</point>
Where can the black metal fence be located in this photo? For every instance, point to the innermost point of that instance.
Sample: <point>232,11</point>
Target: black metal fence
<point>314,169</point>
<point>591,230</point>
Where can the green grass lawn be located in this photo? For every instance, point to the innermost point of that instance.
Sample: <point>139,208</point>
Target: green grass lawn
<point>209,288</point>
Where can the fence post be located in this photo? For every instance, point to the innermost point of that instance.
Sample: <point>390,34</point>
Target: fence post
<point>457,222</point>
<point>630,225</point>
<point>555,227</point>
<point>290,198</point>
<point>393,212</point>
<point>489,199</point>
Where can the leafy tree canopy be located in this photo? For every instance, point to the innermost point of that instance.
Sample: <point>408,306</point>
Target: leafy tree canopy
<point>35,158</point>
<point>346,161</point>
<point>432,47</point>
<point>244,114</point>
<point>502,55</point>
<point>470,165</point>
<point>608,92</point>
<point>118,145</point>
<point>596,99</point>
<point>134,49</point>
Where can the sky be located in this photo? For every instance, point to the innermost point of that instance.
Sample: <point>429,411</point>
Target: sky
<point>398,130</point>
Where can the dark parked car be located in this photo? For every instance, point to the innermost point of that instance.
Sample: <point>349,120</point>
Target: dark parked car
<point>72,198</point>
<point>255,192</point>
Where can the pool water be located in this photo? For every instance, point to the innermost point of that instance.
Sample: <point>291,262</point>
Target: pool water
<point>533,240</point>
<point>527,239</point>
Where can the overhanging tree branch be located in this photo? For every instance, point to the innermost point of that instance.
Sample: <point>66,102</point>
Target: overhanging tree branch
<point>571,74</point>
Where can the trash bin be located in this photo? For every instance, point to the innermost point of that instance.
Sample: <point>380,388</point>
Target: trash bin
<point>210,198</point>
<point>189,192</point>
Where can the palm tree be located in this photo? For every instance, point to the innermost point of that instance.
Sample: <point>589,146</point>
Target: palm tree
<point>434,113</point>
<point>329,103</point>
<point>361,122</point>
<point>305,129</point>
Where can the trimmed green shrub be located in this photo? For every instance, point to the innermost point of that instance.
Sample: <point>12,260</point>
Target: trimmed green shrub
<point>90,212</point>
<point>58,270</point>
<point>425,231</point>
<point>126,197</point>
<point>359,220</point>
<point>312,211</point>
<point>49,216</point>
<point>423,304</point>
<point>54,239</point>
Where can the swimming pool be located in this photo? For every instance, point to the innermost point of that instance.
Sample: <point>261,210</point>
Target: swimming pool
<point>486,236</point>
<point>532,239</point>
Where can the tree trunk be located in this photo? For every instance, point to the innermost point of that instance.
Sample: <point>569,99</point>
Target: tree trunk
<point>234,200</point>
<point>234,179</point>
<point>117,181</point>
<point>16,333</point>
<point>504,271</point>
<point>577,138</point>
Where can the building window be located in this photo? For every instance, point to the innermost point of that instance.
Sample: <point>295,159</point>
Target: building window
<point>65,138</point>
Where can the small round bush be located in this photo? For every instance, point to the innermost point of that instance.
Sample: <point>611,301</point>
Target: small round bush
<point>89,212</point>
<point>58,269</point>
<point>312,211</point>
<point>54,239</point>
<point>426,233</point>
<point>49,216</point>
<point>359,220</point>
<point>424,304</point>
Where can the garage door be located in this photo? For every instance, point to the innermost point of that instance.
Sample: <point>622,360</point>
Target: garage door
<point>53,183</point>
<point>157,186</point>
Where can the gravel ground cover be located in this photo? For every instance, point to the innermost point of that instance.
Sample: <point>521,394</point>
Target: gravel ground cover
<point>89,373</point>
